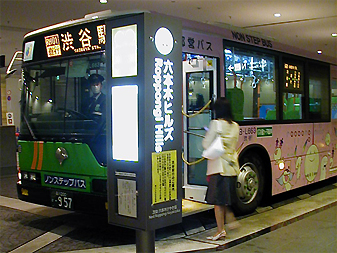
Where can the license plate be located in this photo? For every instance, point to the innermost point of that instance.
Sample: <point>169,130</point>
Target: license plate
<point>61,199</point>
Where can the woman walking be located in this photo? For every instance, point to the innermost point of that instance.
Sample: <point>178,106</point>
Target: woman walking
<point>222,172</point>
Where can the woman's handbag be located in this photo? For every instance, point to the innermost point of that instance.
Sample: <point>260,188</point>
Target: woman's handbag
<point>216,149</point>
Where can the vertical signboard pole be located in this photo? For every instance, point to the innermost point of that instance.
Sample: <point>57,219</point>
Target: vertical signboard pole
<point>144,124</point>
<point>145,241</point>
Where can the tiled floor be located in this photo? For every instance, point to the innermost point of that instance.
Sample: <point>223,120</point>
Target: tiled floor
<point>314,233</point>
<point>307,224</point>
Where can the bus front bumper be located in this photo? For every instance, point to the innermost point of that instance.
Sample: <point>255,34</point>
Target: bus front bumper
<point>63,199</point>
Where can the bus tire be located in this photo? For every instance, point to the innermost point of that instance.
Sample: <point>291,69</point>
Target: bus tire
<point>250,184</point>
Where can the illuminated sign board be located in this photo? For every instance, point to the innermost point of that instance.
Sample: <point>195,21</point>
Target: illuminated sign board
<point>125,122</point>
<point>163,77</point>
<point>53,46</point>
<point>124,51</point>
<point>77,42</point>
<point>162,112</point>
<point>145,126</point>
<point>293,80</point>
<point>79,39</point>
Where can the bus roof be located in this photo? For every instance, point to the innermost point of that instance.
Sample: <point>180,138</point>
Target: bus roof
<point>87,18</point>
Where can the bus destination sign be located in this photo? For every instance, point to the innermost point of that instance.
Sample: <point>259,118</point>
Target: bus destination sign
<point>79,39</point>
<point>293,77</point>
<point>76,40</point>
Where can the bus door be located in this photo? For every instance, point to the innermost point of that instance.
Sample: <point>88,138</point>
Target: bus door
<point>199,86</point>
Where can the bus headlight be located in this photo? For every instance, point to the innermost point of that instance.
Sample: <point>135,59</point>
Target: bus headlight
<point>19,175</point>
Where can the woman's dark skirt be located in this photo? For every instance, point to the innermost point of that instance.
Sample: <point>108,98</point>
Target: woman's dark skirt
<point>220,189</point>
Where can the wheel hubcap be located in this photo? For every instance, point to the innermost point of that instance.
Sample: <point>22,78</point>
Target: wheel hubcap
<point>248,183</point>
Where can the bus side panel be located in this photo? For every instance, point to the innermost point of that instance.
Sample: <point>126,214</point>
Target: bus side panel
<point>300,154</point>
<point>77,159</point>
<point>74,169</point>
<point>290,164</point>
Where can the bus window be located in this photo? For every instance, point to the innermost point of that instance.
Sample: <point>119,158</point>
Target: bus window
<point>292,106</point>
<point>319,91</point>
<point>55,99</point>
<point>250,84</point>
<point>293,89</point>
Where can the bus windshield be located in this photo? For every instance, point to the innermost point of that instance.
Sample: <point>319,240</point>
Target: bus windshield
<point>55,100</point>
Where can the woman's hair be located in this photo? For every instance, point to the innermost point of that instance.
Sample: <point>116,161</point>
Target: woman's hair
<point>222,108</point>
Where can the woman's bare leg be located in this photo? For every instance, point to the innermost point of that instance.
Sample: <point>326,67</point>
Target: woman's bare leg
<point>219,212</point>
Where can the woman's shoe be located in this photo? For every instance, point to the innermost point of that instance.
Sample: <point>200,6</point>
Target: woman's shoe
<point>222,234</point>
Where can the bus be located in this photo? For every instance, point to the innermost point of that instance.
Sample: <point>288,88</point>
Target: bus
<point>284,101</point>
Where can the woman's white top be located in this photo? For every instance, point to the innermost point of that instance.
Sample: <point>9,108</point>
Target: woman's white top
<point>227,164</point>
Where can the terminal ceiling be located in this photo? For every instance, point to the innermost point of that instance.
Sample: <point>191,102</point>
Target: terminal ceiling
<point>306,24</point>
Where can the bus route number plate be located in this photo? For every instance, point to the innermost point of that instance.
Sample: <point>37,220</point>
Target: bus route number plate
<point>61,199</point>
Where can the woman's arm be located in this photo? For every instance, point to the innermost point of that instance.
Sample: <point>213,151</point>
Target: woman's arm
<point>210,134</point>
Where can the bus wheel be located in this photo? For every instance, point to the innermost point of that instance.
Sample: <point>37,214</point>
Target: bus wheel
<point>249,187</point>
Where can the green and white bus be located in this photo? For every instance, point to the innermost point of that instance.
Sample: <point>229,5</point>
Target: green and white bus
<point>284,100</point>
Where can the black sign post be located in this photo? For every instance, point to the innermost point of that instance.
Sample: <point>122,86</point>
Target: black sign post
<point>144,124</point>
